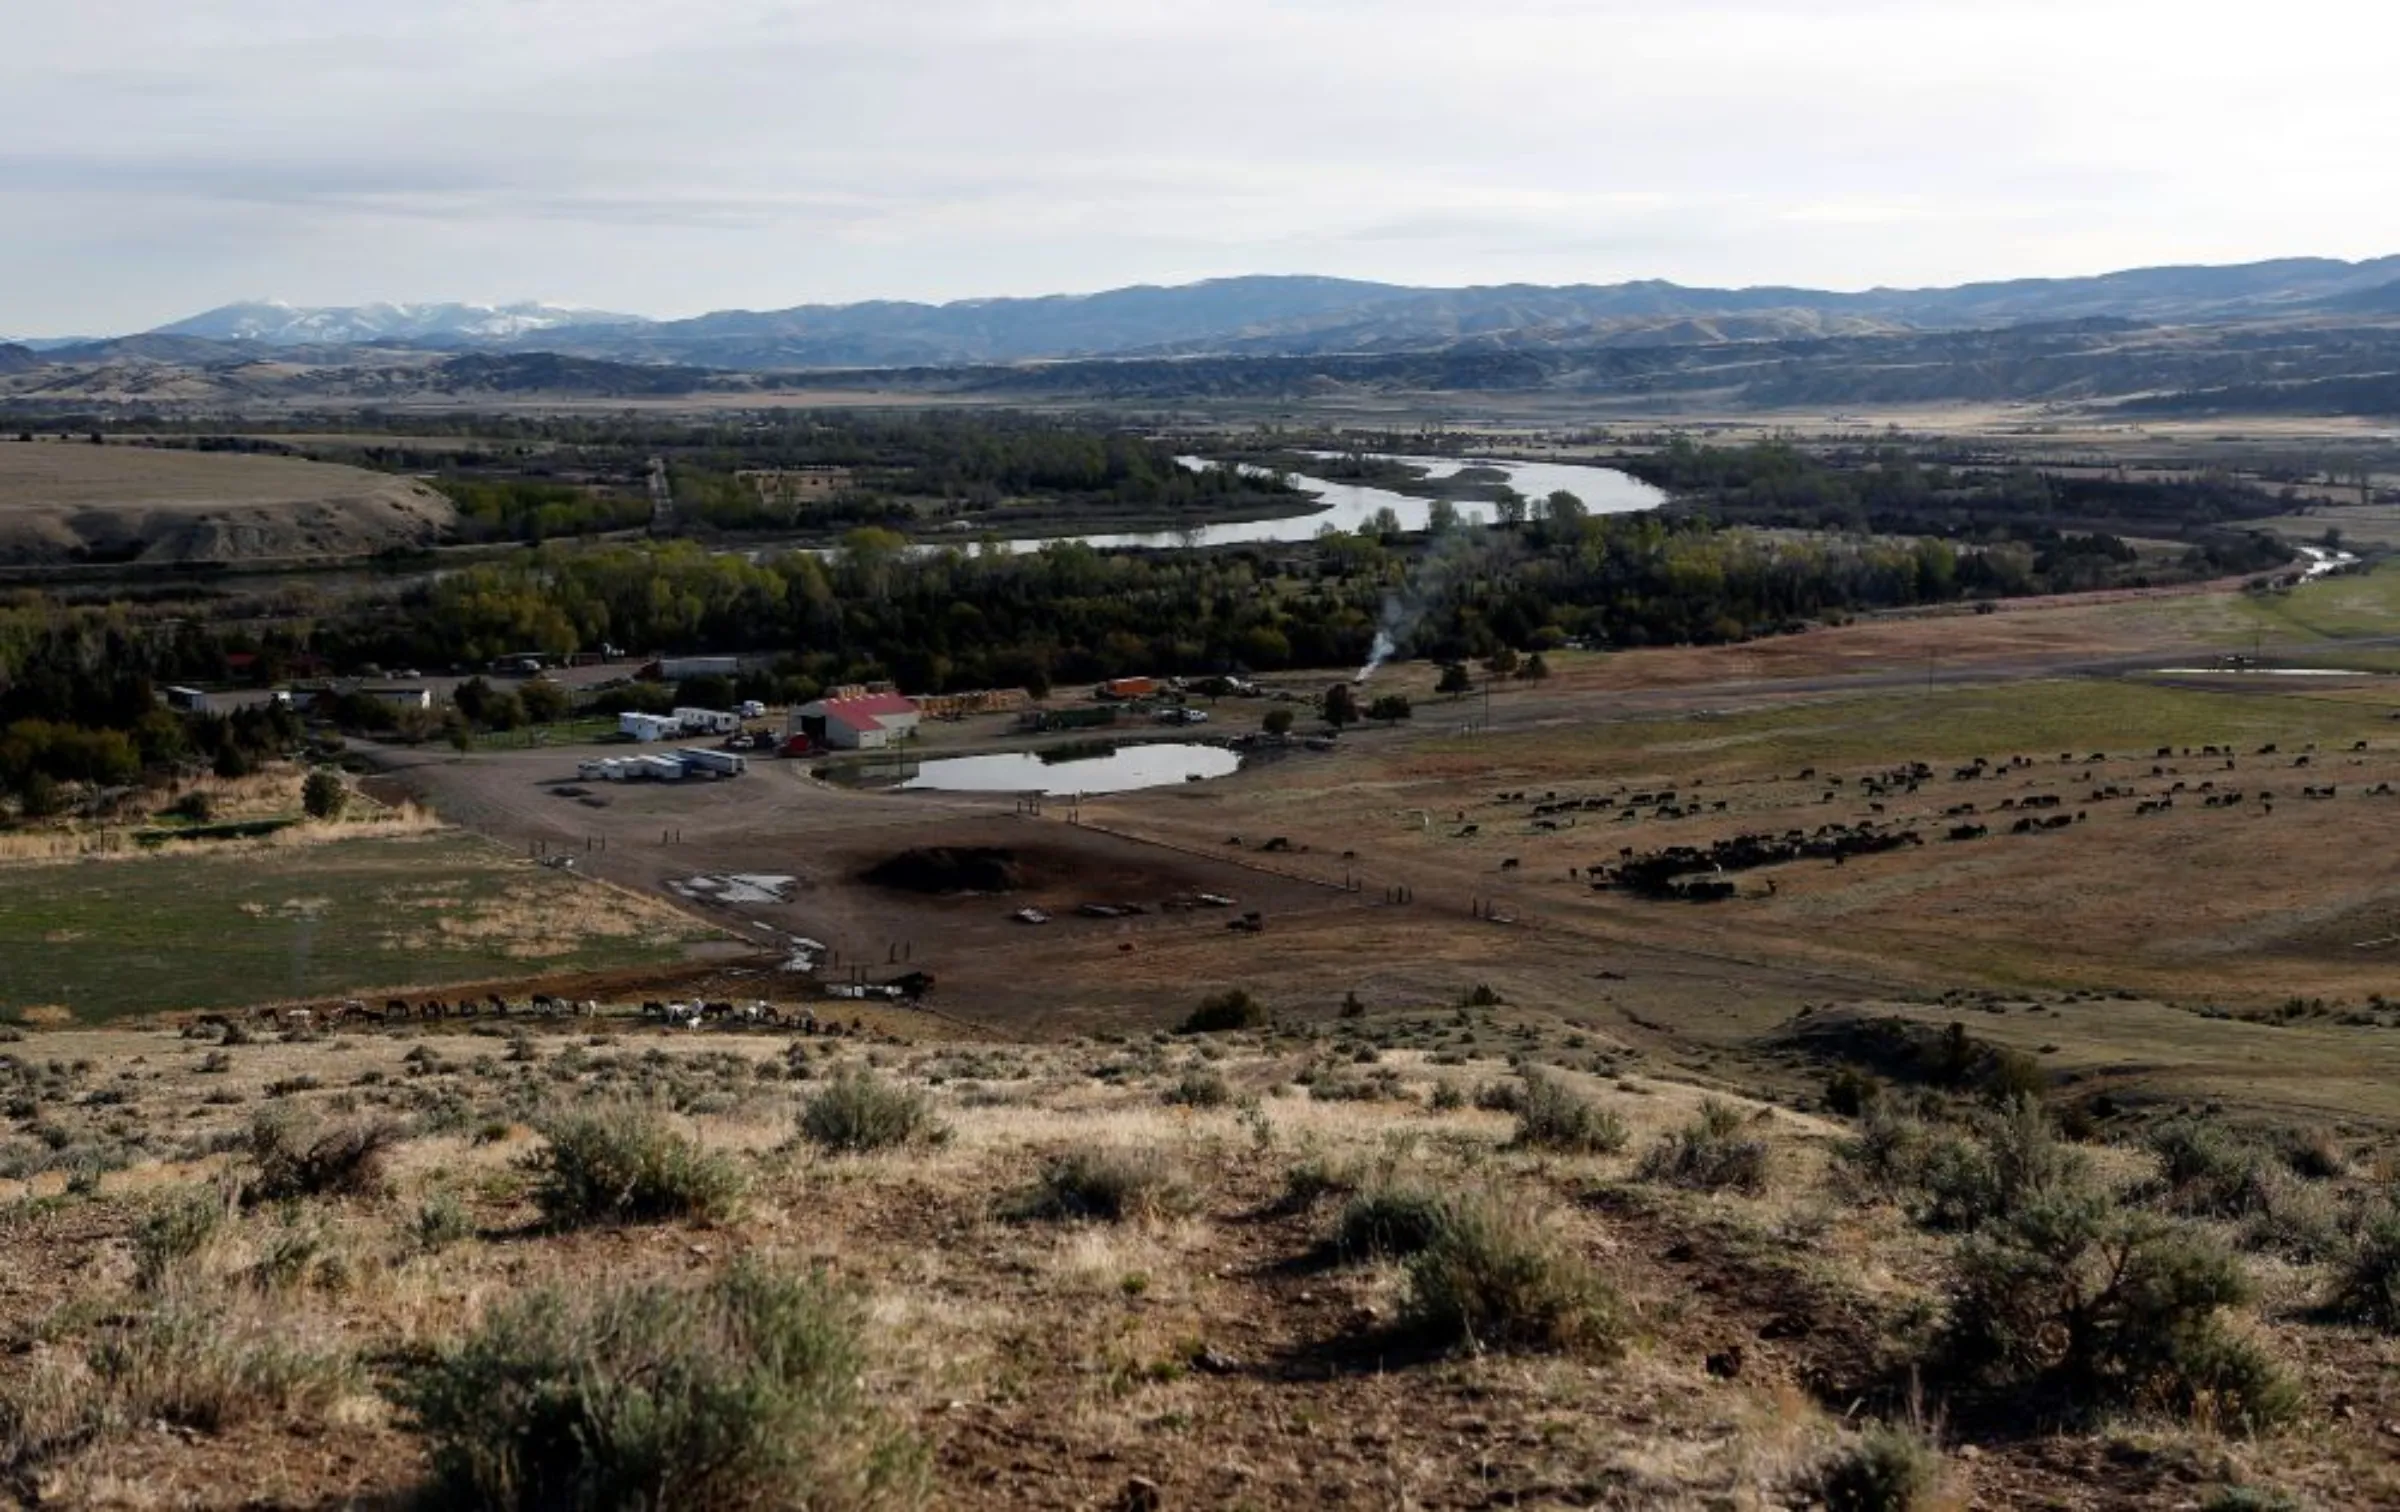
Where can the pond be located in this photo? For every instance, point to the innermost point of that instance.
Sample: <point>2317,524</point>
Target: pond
<point>1056,773</point>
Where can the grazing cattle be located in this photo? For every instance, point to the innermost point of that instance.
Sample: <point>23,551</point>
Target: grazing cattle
<point>395,1008</point>
<point>654,1009</point>
<point>1509,864</point>
<point>499,1005</point>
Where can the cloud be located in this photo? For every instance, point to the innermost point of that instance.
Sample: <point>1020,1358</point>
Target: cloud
<point>771,152</point>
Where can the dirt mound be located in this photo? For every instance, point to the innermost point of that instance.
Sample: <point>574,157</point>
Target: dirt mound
<point>67,503</point>
<point>951,869</point>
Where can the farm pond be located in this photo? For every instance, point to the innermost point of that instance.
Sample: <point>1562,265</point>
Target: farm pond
<point>1098,767</point>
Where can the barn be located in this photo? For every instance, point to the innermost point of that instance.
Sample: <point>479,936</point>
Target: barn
<point>861,722</point>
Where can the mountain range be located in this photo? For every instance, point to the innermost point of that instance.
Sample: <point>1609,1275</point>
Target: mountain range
<point>1282,316</point>
<point>2303,335</point>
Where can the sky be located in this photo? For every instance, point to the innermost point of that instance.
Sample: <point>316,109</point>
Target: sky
<point>160,157</point>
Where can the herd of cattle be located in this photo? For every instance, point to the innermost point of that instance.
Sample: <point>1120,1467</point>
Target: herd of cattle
<point>677,1014</point>
<point>1704,873</point>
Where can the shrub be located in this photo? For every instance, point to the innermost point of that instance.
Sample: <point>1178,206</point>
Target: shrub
<point>2251,1499</point>
<point>1710,1154</point>
<point>625,1165</point>
<point>1849,1091</point>
<point>2313,1154</point>
<point>324,796</point>
<point>1553,1116</point>
<point>2208,1172</point>
<point>2015,1160</point>
<point>2366,1284</point>
<point>1223,1013</point>
<point>1887,1157</point>
<point>345,1161</point>
<point>173,1234</point>
<point>1390,1223</point>
<point>859,1111</point>
<point>743,1392</point>
<point>1448,1097</point>
<point>1114,1183</point>
<point>1494,1277</point>
<point>1888,1469</point>
<point>1312,1181</point>
<point>1500,1097</point>
<point>442,1220</point>
<point>210,1370</point>
<point>2110,1309</point>
<point>1201,1087</point>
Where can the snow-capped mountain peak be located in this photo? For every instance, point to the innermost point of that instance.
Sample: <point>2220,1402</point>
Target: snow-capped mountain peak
<point>276,323</point>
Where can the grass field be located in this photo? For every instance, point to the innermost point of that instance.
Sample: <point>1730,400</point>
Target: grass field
<point>103,939</point>
<point>2334,608</point>
<point>2034,718</point>
<point>565,733</point>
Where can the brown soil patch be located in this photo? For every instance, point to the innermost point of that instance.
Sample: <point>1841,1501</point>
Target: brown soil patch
<point>66,503</point>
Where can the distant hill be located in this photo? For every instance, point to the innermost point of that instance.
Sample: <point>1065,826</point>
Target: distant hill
<point>17,359</point>
<point>273,323</point>
<point>1303,316</point>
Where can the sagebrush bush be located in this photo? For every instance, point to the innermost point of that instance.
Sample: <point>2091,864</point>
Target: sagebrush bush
<point>1710,1154</point>
<point>1115,1183</point>
<point>1500,1096</point>
<point>1886,1469</point>
<point>2366,1282</point>
<point>2313,1154</point>
<point>1390,1222</point>
<point>2014,1161</point>
<point>203,1368</point>
<point>742,1392</point>
<point>1223,1013</point>
<point>442,1220</point>
<point>174,1233</point>
<point>1495,1277</point>
<point>858,1111</point>
<point>291,1160</point>
<point>2209,1172</point>
<point>625,1165</point>
<point>1553,1116</point>
<point>2106,1309</point>
<point>1850,1091</point>
<point>1201,1087</point>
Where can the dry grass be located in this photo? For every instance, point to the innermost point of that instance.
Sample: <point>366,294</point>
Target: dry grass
<point>1204,1343</point>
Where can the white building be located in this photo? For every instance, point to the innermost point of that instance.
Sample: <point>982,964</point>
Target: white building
<point>865,722</point>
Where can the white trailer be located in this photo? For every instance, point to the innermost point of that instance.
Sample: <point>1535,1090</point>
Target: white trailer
<point>723,763</point>
<point>656,768</point>
<point>646,728</point>
<point>708,721</point>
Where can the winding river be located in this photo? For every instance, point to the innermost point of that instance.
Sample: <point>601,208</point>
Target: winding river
<point>1347,506</point>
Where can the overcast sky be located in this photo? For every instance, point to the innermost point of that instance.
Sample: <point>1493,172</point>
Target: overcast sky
<point>158,157</point>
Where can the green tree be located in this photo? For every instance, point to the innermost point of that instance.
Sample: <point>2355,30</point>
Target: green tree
<point>1441,517</point>
<point>1278,722</point>
<point>324,795</point>
<point>1510,506</point>
<point>1391,708</point>
<point>545,701</point>
<point>1535,669</point>
<point>40,797</point>
<point>1501,662</point>
<point>1456,679</point>
<point>1341,705</point>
